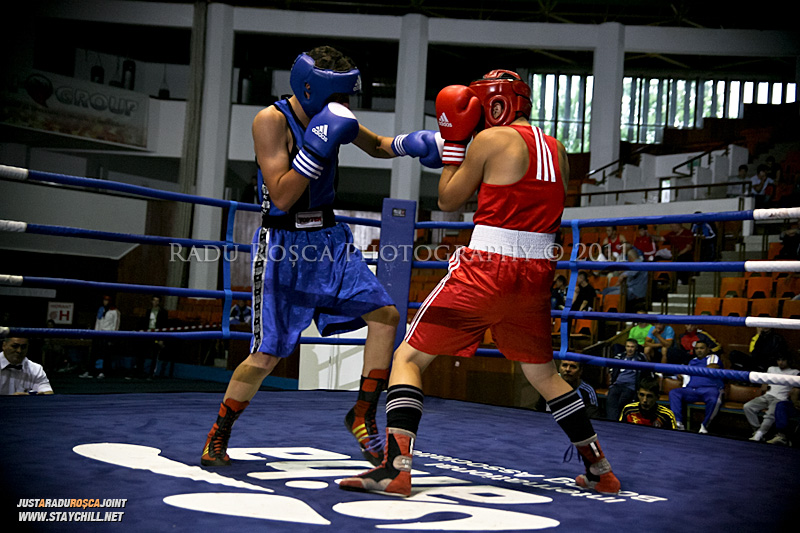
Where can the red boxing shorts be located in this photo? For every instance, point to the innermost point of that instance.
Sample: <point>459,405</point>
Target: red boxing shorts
<point>483,290</point>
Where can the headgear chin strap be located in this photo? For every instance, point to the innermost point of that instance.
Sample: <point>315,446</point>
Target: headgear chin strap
<point>506,88</point>
<point>313,86</point>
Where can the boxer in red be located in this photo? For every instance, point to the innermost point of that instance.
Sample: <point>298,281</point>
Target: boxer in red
<point>501,281</point>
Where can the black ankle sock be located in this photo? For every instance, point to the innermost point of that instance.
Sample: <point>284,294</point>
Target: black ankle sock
<point>570,413</point>
<point>404,407</point>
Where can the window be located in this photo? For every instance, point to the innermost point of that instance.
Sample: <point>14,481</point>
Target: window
<point>562,104</point>
<point>562,108</point>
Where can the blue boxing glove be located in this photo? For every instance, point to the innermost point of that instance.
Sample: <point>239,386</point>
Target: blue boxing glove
<point>424,144</point>
<point>327,130</point>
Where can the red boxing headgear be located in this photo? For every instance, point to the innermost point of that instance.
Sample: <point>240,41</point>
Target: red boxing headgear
<point>506,88</point>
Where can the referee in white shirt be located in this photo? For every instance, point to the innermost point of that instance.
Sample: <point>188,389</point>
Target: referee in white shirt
<point>18,374</point>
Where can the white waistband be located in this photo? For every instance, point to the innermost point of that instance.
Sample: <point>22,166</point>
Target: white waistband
<point>513,243</point>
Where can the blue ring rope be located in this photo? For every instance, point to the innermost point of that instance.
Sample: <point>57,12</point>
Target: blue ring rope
<point>36,281</point>
<point>736,375</point>
<point>572,264</point>
<point>64,179</point>
<point>64,231</point>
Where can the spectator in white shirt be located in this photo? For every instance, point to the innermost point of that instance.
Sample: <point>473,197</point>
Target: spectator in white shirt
<point>18,374</point>
<point>772,394</point>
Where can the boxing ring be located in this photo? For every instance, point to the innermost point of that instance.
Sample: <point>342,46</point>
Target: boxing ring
<point>132,458</point>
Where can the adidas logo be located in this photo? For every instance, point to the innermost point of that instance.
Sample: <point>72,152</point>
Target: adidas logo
<point>443,122</point>
<point>321,131</point>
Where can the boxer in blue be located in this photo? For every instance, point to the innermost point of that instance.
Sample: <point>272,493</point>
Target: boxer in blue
<point>304,264</point>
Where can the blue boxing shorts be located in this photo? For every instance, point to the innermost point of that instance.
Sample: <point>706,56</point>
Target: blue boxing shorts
<point>303,275</point>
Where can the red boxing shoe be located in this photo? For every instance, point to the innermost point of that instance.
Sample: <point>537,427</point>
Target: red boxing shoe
<point>393,476</point>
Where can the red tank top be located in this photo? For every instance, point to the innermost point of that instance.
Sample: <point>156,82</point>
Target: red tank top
<point>534,203</point>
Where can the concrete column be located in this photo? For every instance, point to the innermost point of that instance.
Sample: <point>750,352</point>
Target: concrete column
<point>409,114</point>
<point>214,137</point>
<point>609,66</point>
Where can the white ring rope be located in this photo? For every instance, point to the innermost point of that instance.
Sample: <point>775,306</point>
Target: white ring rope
<point>775,214</point>
<point>772,266</point>
<point>774,379</point>
<point>14,281</point>
<point>14,173</point>
<point>13,226</point>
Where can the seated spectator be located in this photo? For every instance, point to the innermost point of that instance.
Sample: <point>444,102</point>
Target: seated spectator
<point>241,313</point>
<point>762,187</point>
<point>640,330</point>
<point>614,245</point>
<point>645,243</point>
<point>783,412</point>
<point>647,411</point>
<point>558,292</point>
<point>765,346</point>
<point>707,390</point>
<point>636,281</point>
<point>790,239</point>
<point>771,395</point>
<point>681,240</point>
<point>658,341</point>
<point>773,169</point>
<point>739,189</point>
<point>585,294</point>
<point>571,372</point>
<point>683,351</point>
<point>624,381</point>
<point>19,375</point>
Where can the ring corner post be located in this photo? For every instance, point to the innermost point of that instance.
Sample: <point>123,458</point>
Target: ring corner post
<point>396,254</point>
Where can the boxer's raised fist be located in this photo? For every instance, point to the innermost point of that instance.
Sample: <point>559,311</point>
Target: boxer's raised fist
<point>327,130</point>
<point>459,111</point>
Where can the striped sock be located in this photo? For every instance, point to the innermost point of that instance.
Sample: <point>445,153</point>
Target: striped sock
<point>404,407</point>
<point>570,413</point>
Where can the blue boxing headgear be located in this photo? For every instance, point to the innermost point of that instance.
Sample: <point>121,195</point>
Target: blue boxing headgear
<point>313,86</point>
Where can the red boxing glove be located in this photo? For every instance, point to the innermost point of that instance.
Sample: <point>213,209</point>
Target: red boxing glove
<point>459,111</point>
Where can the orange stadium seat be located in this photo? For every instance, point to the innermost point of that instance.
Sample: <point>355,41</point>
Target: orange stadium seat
<point>599,282</point>
<point>735,306</point>
<point>732,287</point>
<point>787,287</point>
<point>764,307</point>
<point>759,287</point>
<point>791,309</point>
<point>707,305</point>
<point>610,303</point>
<point>584,329</point>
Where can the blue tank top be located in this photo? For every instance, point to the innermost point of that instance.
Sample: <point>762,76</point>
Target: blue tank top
<point>320,192</point>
